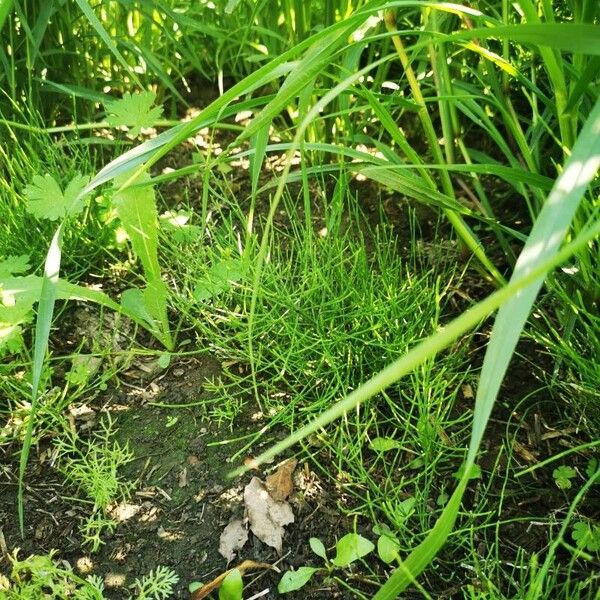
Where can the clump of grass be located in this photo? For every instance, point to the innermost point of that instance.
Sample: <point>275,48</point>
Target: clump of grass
<point>336,303</point>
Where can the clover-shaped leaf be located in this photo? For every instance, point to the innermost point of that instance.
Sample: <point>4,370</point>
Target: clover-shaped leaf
<point>47,201</point>
<point>562,476</point>
<point>135,111</point>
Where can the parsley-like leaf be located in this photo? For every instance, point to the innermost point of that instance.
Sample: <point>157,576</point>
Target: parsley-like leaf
<point>135,111</point>
<point>47,201</point>
<point>13,265</point>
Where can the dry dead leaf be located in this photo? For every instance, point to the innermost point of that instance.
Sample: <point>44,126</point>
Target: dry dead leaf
<point>211,586</point>
<point>524,452</point>
<point>267,517</point>
<point>183,478</point>
<point>280,483</point>
<point>233,538</point>
<point>467,391</point>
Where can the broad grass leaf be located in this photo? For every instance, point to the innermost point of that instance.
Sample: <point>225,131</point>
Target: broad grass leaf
<point>43,323</point>
<point>570,37</point>
<point>350,548</point>
<point>541,248</point>
<point>45,199</point>
<point>295,580</point>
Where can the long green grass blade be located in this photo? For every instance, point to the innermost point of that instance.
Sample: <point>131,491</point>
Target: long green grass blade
<point>541,248</point>
<point>42,333</point>
<point>570,37</point>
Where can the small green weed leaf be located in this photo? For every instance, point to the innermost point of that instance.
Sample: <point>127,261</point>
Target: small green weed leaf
<point>195,585</point>
<point>164,360</point>
<point>13,265</point>
<point>387,544</point>
<point>219,278</point>
<point>416,463</point>
<point>135,111</point>
<point>406,507</point>
<point>384,444</point>
<point>442,499</point>
<point>586,536</point>
<point>317,546</point>
<point>474,472</point>
<point>350,548</point>
<point>295,580</point>
<point>47,201</point>
<point>387,549</point>
<point>232,586</point>
<point>562,476</point>
<point>177,226</point>
<point>592,467</point>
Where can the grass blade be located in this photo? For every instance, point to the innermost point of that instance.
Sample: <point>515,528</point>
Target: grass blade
<point>42,333</point>
<point>541,248</point>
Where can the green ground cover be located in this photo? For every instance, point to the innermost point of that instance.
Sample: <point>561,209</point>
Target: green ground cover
<point>380,219</point>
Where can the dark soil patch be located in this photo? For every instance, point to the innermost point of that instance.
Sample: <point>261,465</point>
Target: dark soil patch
<point>183,498</point>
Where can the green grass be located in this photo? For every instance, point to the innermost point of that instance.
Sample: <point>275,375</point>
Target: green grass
<point>494,123</point>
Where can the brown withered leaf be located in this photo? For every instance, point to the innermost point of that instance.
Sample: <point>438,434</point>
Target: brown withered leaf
<point>267,517</point>
<point>211,586</point>
<point>280,483</point>
<point>233,538</point>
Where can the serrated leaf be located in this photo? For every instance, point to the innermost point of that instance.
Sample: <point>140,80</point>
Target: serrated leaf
<point>350,548</point>
<point>134,111</point>
<point>47,201</point>
<point>317,546</point>
<point>232,586</point>
<point>592,467</point>
<point>219,278</point>
<point>384,444</point>
<point>586,536</point>
<point>13,265</point>
<point>295,580</point>
<point>11,339</point>
<point>136,208</point>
